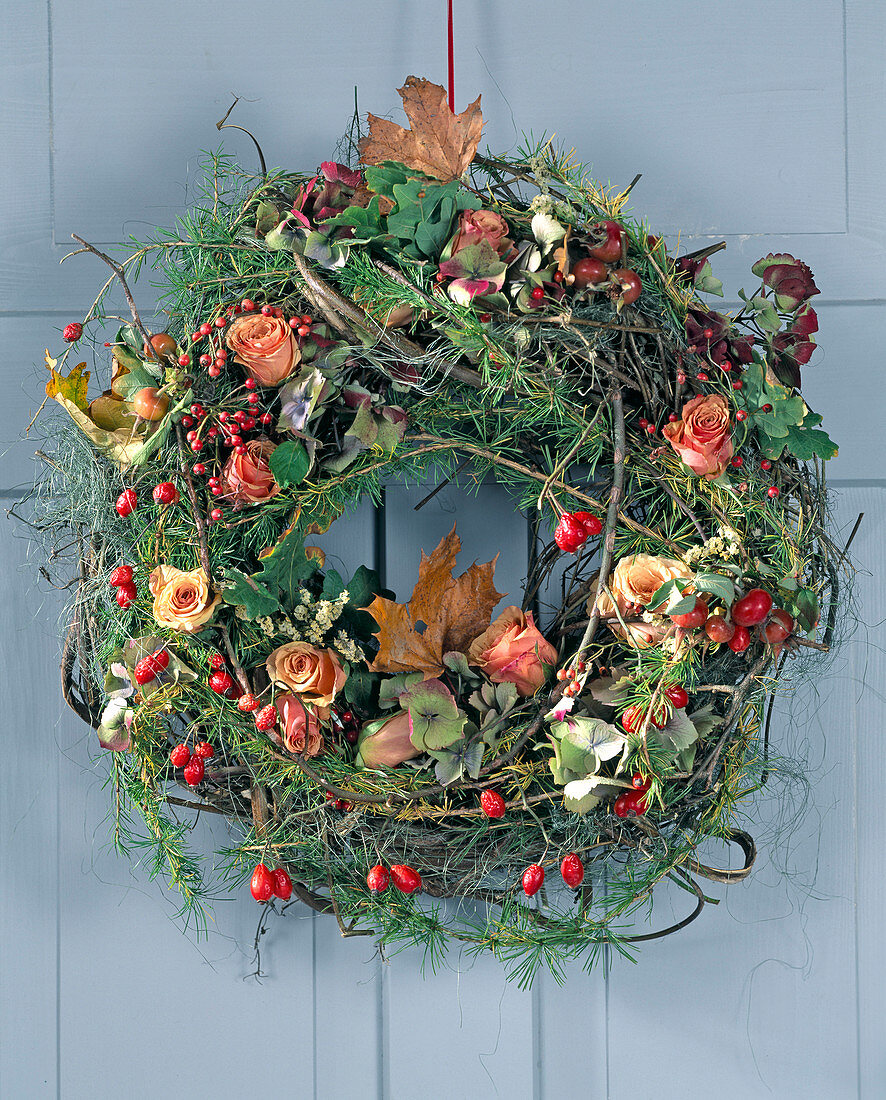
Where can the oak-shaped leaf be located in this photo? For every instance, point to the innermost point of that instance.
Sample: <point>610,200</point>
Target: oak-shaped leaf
<point>445,613</point>
<point>440,143</point>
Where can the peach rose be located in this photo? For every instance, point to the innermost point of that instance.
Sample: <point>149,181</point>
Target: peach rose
<point>702,438</point>
<point>634,582</point>
<point>475,226</point>
<point>182,601</point>
<point>247,478</point>
<point>301,727</point>
<point>513,649</point>
<point>385,742</point>
<point>265,346</point>
<point>314,674</point>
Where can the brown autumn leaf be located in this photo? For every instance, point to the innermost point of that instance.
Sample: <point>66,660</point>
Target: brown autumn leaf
<point>440,144</point>
<point>445,613</point>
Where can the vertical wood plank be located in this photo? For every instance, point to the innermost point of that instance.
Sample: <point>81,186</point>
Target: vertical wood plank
<point>28,826</point>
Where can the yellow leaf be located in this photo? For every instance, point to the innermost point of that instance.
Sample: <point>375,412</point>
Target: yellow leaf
<point>72,387</point>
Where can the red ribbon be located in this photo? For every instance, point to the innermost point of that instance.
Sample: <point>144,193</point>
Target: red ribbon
<point>451,63</point>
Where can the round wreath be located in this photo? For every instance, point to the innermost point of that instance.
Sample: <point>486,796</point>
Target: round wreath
<point>424,311</point>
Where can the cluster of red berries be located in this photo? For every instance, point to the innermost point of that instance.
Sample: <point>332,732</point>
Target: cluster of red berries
<point>343,804</point>
<point>192,763</point>
<point>574,529</point>
<point>595,270</point>
<point>350,727</point>
<point>754,609</point>
<point>220,680</point>
<point>266,884</point>
<point>572,871</point>
<point>405,879</point>
<point>572,674</point>
<point>215,360</point>
<point>633,803</point>
<point>121,579</point>
<point>659,713</point>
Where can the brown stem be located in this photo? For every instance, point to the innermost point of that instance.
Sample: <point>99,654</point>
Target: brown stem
<point>118,271</point>
<point>195,506</point>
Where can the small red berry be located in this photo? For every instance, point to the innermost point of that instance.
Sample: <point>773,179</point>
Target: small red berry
<point>248,702</point>
<point>184,360</point>
<point>620,809</point>
<point>145,671</point>
<point>752,608</point>
<point>72,332</point>
<point>702,377</point>
<point>681,378</point>
<point>220,322</point>
<point>213,372</point>
<point>126,595</point>
<point>179,756</point>
<point>639,783</point>
<point>738,385</point>
<point>247,305</point>
<point>378,880</point>
<point>537,293</point>
<point>765,464</point>
<point>492,804</point>
<point>741,415</point>
<point>126,503</point>
<point>194,770</point>
<point>266,418</point>
<point>204,750</point>
<point>216,514</point>
<point>266,717</point>
<point>165,493</point>
<point>220,682</point>
<point>262,884</point>
<point>121,575</point>
<point>282,884</point>
<point>216,661</point>
<point>673,418</point>
<point>738,462</point>
<point>205,360</point>
<point>205,328</point>
<point>643,422</point>
<point>677,695</point>
<point>533,877</point>
<point>304,330</point>
<point>570,534</point>
<point>573,870</point>
<point>740,640</point>
<point>772,492</point>
<point>406,879</point>
<point>267,310</point>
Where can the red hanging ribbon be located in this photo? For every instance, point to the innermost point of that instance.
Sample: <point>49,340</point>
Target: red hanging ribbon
<point>451,63</point>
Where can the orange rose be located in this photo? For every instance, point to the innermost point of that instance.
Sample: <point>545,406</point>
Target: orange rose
<point>182,601</point>
<point>475,226</point>
<point>301,727</point>
<point>702,438</point>
<point>247,478</point>
<point>633,583</point>
<point>385,742</point>
<point>265,346</point>
<point>513,649</point>
<point>314,674</point>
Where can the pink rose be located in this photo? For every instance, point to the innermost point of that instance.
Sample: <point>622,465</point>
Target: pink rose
<point>301,727</point>
<point>247,478</point>
<point>702,438</point>
<point>475,226</point>
<point>265,346</point>
<point>385,742</point>
<point>513,650</point>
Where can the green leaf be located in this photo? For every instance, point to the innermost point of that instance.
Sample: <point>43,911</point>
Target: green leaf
<point>246,592</point>
<point>766,315</point>
<point>137,378</point>
<point>333,585</point>
<point>670,590</point>
<point>360,687</point>
<point>289,463</point>
<point>717,585</point>
<point>381,178</point>
<point>392,687</point>
<point>805,442</point>
<point>365,221</point>
<point>678,734</point>
<point>435,722</point>
<point>706,281</point>
<point>582,795</point>
<point>806,609</point>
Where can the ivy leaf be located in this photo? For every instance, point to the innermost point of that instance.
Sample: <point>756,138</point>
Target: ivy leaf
<point>360,687</point>
<point>255,598</point>
<point>435,722</point>
<point>440,144</point>
<point>289,463</point>
<point>381,177</point>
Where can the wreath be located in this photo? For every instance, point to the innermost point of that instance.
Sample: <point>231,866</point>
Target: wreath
<point>428,313</point>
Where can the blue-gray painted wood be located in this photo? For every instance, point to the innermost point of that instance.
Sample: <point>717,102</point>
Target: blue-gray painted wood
<point>760,124</point>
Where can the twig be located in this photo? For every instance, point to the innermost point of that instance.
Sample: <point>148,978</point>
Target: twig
<point>196,510</point>
<point>119,272</point>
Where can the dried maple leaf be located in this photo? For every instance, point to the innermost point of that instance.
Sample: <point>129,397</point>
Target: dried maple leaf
<point>445,613</point>
<point>440,144</point>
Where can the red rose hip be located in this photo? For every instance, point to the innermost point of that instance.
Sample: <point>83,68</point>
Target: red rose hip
<point>378,880</point>
<point>262,884</point>
<point>752,608</point>
<point>492,804</point>
<point>281,884</point>
<point>572,869</point>
<point>406,879</point>
<point>533,877</point>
